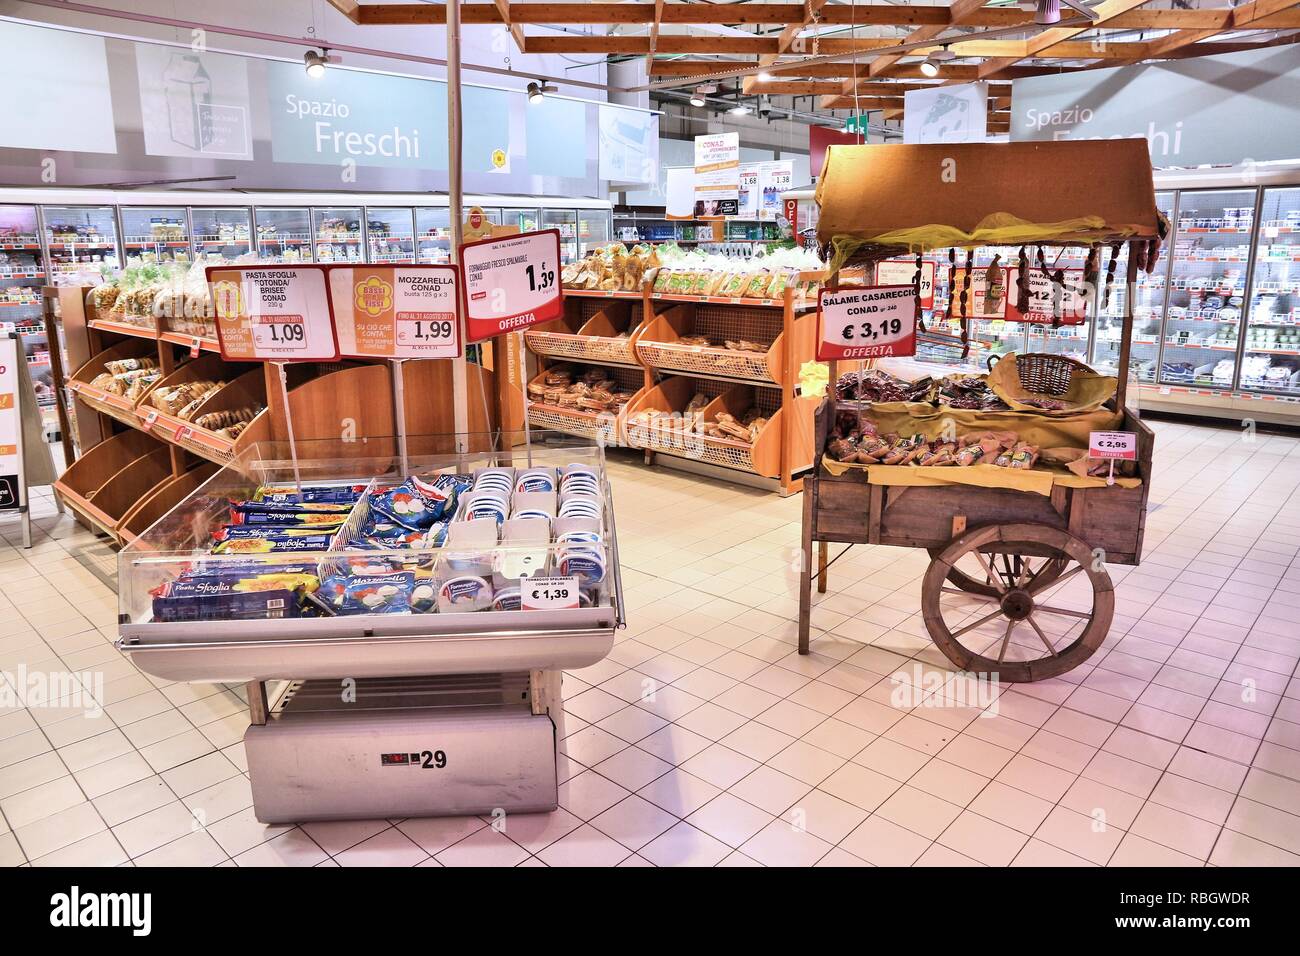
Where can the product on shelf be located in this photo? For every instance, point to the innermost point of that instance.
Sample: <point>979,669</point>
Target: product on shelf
<point>183,400</point>
<point>227,422</point>
<point>955,391</point>
<point>593,390</point>
<point>127,377</point>
<point>675,272</point>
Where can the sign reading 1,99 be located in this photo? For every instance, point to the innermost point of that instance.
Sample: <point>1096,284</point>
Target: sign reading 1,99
<point>510,283</point>
<point>396,312</point>
<point>873,322</point>
<point>273,313</point>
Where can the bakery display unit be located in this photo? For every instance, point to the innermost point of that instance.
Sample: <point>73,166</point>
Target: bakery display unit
<point>338,233</point>
<point>81,243</point>
<point>459,706</point>
<point>222,234</point>
<point>1210,261</point>
<point>390,235</point>
<point>969,468</point>
<point>1270,356</point>
<point>155,235</point>
<point>283,234</point>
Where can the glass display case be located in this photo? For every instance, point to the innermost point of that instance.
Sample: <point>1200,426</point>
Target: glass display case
<point>1271,352</point>
<point>433,234</point>
<point>523,219</point>
<point>566,221</point>
<point>593,230</point>
<point>390,234</point>
<point>1207,283</point>
<point>283,235</point>
<point>1148,311</point>
<point>82,243</point>
<point>338,233</point>
<point>22,269</point>
<point>155,235</point>
<point>222,235</point>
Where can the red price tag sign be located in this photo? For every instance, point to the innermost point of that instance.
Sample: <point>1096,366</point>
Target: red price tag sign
<point>1118,445</point>
<point>396,312</point>
<point>149,417</point>
<point>874,322</point>
<point>510,283</point>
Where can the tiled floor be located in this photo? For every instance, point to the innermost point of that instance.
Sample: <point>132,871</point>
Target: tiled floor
<point>1178,743</point>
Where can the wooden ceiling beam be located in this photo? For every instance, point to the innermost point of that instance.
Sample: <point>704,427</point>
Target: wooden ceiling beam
<point>669,69</point>
<point>516,31</point>
<point>1042,43</point>
<point>957,14</point>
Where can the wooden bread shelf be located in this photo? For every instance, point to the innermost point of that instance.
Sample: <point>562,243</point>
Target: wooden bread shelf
<point>603,426</point>
<point>108,403</point>
<point>161,499</point>
<point>109,479</point>
<point>602,333</point>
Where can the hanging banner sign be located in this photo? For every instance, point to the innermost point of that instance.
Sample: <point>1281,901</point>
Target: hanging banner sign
<point>717,175</point>
<point>11,424</point>
<point>273,313</point>
<point>397,312</point>
<point>902,272</point>
<point>510,283</point>
<point>774,179</point>
<point>874,322</point>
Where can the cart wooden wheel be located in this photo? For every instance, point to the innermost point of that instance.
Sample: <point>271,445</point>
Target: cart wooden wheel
<point>1030,628</point>
<point>976,578</point>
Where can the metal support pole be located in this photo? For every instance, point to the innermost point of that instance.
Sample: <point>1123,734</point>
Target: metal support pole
<point>459,373</point>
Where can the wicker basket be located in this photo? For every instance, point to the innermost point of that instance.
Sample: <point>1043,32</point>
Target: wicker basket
<point>1036,375</point>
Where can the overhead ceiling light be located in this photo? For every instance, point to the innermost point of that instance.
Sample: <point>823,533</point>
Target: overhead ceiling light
<point>929,68</point>
<point>1048,12</point>
<point>930,65</point>
<point>537,91</point>
<point>764,76</point>
<point>740,109</point>
<point>697,98</point>
<point>315,63</point>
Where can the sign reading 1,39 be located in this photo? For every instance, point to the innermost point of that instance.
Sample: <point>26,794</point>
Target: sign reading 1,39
<point>274,313</point>
<point>510,283</point>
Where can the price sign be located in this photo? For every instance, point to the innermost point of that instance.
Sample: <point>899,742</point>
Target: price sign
<point>548,594</point>
<point>510,283</point>
<point>149,417</point>
<point>867,323</point>
<point>397,312</point>
<point>1119,445</point>
<point>902,271</point>
<point>273,313</point>
<point>981,301</point>
<point>1047,300</point>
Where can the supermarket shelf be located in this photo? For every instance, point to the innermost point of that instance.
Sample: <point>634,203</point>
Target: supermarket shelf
<point>123,328</point>
<point>180,338</point>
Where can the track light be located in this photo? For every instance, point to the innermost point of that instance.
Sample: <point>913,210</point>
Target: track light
<point>764,77</point>
<point>697,98</point>
<point>537,91</point>
<point>929,68</point>
<point>930,65</point>
<point>1048,12</point>
<point>315,63</point>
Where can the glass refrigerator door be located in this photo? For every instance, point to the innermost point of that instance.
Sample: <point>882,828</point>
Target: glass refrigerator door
<point>155,236</point>
<point>1207,281</point>
<point>390,234</point>
<point>338,233</point>
<point>1271,357</point>
<point>22,269</point>
<point>283,235</point>
<point>433,234</point>
<point>525,220</point>
<point>593,229</point>
<point>222,235</point>
<point>1148,310</point>
<point>565,220</point>
<point>1068,340</point>
<point>82,242</point>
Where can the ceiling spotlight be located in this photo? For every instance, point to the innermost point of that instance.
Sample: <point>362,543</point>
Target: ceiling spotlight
<point>740,109</point>
<point>1048,12</point>
<point>537,91</point>
<point>315,63</point>
<point>929,68</point>
<point>930,65</point>
<point>764,76</point>
<point>697,98</point>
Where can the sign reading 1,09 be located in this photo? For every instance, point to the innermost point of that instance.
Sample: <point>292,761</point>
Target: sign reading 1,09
<point>273,313</point>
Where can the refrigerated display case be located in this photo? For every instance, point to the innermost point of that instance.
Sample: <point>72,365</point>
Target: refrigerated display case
<point>566,221</point>
<point>523,219</point>
<point>593,230</point>
<point>1148,313</point>
<point>155,235</point>
<point>1271,351</point>
<point>338,233</point>
<point>283,234</point>
<point>81,242</point>
<point>1207,284</point>
<point>222,234</point>
<point>433,234</point>
<point>22,273</point>
<point>390,234</point>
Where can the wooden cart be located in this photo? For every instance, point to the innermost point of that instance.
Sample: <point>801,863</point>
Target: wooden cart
<point>1002,560</point>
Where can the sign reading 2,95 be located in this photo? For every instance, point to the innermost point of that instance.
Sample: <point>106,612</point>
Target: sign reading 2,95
<point>273,313</point>
<point>867,323</point>
<point>510,283</point>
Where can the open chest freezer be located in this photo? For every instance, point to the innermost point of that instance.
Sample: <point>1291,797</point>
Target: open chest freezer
<point>382,678</point>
